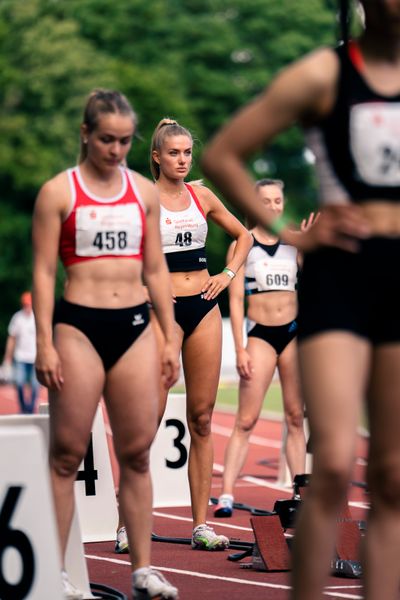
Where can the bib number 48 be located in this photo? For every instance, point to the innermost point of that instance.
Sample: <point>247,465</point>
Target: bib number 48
<point>184,239</point>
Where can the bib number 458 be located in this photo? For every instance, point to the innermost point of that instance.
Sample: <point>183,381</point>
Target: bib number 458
<point>111,240</point>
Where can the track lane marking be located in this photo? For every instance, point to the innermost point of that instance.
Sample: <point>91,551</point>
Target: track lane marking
<point>218,577</point>
<point>189,520</point>
<point>254,439</point>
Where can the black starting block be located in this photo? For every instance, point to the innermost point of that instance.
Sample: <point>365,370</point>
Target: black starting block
<point>345,563</point>
<point>105,592</point>
<point>271,549</point>
<point>346,568</point>
<point>300,482</point>
<point>286,510</point>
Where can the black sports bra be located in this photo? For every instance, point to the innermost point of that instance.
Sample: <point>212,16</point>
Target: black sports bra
<point>357,146</point>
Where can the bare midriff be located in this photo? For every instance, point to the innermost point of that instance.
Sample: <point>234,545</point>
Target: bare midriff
<point>272,308</point>
<point>383,217</point>
<point>105,283</point>
<point>188,283</point>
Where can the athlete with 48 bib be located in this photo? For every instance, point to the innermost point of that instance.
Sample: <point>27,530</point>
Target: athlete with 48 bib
<point>183,219</point>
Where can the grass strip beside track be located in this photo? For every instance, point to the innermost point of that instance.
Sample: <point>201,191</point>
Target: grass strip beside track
<point>227,396</point>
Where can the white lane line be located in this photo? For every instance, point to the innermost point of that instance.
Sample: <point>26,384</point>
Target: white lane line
<point>188,520</point>
<point>363,505</point>
<point>261,441</point>
<point>344,587</point>
<point>254,439</point>
<point>218,577</point>
<point>260,482</point>
<point>342,595</point>
<point>196,574</point>
<point>274,486</point>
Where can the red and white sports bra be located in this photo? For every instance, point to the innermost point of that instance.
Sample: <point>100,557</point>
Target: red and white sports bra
<point>98,227</point>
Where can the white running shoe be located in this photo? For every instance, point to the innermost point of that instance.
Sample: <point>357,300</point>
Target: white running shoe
<point>152,584</point>
<point>70,592</point>
<point>224,507</point>
<point>205,538</point>
<point>121,543</point>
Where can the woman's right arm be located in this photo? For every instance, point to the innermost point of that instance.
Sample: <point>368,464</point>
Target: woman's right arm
<point>290,97</point>
<point>301,93</point>
<point>236,313</point>
<point>46,228</point>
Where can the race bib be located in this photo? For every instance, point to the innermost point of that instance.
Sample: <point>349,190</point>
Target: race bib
<point>180,234</point>
<point>108,230</point>
<point>375,142</point>
<point>274,275</point>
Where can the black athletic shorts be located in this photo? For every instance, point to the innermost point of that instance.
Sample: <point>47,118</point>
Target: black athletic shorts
<point>191,310</point>
<point>278,336</point>
<point>355,292</point>
<point>111,331</point>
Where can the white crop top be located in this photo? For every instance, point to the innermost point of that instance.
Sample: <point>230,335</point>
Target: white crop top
<point>184,229</point>
<point>270,268</point>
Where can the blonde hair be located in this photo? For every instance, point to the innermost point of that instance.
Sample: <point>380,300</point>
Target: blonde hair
<point>100,102</point>
<point>165,128</point>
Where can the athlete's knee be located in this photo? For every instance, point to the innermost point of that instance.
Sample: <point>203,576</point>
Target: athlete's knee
<point>330,483</point>
<point>294,420</point>
<point>135,458</point>
<point>384,483</point>
<point>200,424</point>
<point>245,424</point>
<point>65,461</point>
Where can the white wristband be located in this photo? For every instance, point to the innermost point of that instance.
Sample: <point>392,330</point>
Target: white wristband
<point>229,272</point>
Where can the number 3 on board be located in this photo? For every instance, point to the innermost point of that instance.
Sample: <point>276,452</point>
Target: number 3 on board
<point>177,442</point>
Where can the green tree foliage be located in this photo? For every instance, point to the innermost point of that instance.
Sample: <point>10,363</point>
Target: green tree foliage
<point>195,60</point>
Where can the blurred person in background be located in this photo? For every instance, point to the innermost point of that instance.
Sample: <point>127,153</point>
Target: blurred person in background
<point>20,354</point>
<point>347,100</point>
<point>267,282</point>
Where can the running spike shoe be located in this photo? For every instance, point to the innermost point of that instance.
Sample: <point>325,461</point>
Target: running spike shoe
<point>152,584</point>
<point>121,543</point>
<point>205,538</point>
<point>224,507</point>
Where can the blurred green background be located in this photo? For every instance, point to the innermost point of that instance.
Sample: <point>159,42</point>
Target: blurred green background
<point>195,60</point>
<point>228,395</point>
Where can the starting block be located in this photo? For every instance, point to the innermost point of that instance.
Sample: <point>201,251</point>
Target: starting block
<point>346,562</point>
<point>94,487</point>
<point>270,551</point>
<point>29,552</point>
<point>75,563</point>
<point>169,456</point>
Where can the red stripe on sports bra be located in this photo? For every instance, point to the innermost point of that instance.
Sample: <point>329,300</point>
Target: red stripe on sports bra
<point>355,56</point>
<point>195,198</point>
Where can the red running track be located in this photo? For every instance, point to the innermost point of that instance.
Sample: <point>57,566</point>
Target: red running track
<point>200,575</point>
